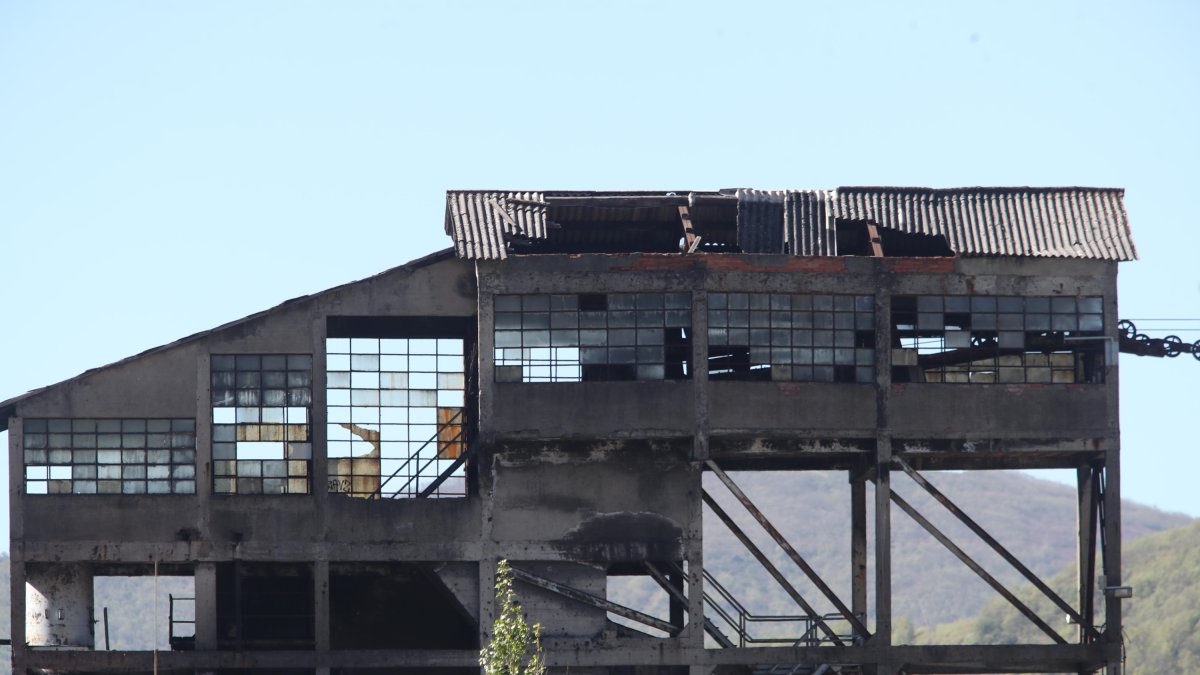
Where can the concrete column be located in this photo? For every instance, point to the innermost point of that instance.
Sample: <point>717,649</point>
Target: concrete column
<point>206,606</point>
<point>883,546</point>
<point>58,606</point>
<point>321,604</point>
<point>858,544</point>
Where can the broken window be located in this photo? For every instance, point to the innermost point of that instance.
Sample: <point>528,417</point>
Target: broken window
<point>791,337</point>
<point>261,422</point>
<point>593,336</point>
<point>110,456</point>
<point>395,416</point>
<point>1006,339</point>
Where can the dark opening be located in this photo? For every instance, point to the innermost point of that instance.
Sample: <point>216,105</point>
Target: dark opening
<point>396,606</point>
<point>265,606</point>
<point>853,239</point>
<point>648,228</point>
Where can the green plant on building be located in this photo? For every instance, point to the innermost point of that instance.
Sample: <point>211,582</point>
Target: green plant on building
<point>515,647</point>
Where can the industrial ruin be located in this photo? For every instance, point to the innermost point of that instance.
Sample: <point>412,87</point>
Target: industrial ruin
<point>339,476</point>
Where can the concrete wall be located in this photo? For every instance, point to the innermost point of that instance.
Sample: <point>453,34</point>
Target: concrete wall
<point>572,477</point>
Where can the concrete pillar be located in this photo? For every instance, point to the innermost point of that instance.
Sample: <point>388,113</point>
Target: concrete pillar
<point>58,606</point>
<point>206,606</point>
<point>321,604</point>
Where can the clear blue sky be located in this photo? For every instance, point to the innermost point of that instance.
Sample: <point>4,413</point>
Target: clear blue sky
<point>169,166</point>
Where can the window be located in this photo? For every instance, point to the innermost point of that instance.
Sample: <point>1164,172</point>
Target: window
<point>260,433</point>
<point>791,337</point>
<point>395,416</point>
<point>1005,339</point>
<point>593,336</point>
<point>110,456</point>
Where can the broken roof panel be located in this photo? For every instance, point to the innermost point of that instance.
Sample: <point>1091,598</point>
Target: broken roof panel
<point>1069,222</point>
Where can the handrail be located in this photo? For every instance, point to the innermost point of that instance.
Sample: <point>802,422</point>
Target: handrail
<point>455,420</point>
<point>741,625</point>
<point>172,621</point>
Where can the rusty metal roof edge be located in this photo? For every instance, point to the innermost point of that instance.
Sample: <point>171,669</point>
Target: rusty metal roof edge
<point>7,407</point>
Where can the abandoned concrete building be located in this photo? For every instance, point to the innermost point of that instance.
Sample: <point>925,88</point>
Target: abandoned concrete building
<point>340,475</point>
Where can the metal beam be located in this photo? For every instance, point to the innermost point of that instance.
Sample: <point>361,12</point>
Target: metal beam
<point>678,596</point>
<point>1088,495</point>
<point>812,575</point>
<point>996,546</point>
<point>762,559</point>
<point>977,569</point>
<point>593,600</point>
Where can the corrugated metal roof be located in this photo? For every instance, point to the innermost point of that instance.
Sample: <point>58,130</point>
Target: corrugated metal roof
<point>809,222</point>
<point>759,215</point>
<point>1069,222</point>
<point>480,222</point>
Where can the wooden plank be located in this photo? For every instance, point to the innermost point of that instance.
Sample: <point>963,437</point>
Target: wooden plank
<point>690,240</point>
<point>876,240</point>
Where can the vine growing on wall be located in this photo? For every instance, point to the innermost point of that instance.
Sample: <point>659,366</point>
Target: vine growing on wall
<point>515,647</point>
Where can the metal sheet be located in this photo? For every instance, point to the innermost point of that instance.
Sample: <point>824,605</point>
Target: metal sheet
<point>481,222</point>
<point>1069,222</point>
<point>760,221</point>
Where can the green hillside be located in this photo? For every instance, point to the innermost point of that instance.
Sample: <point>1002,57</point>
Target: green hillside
<point>1034,518</point>
<point>1162,620</point>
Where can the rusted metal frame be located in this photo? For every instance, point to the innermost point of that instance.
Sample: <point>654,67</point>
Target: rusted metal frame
<point>995,545</point>
<point>677,595</point>
<point>1088,496</point>
<point>595,601</point>
<point>977,569</point>
<point>812,613</point>
<point>690,240</point>
<point>876,240</point>
<point>812,575</point>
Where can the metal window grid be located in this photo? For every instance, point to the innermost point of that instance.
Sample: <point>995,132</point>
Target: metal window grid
<point>576,337</point>
<point>395,415</point>
<point>261,424</point>
<point>791,337</point>
<point>1005,339</point>
<point>109,456</point>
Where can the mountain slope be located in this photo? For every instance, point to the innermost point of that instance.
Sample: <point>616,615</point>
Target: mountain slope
<point>1161,621</point>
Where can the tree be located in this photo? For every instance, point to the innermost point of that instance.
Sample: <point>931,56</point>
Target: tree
<point>515,647</point>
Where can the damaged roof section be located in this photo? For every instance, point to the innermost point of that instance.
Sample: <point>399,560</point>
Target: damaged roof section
<point>1069,222</point>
